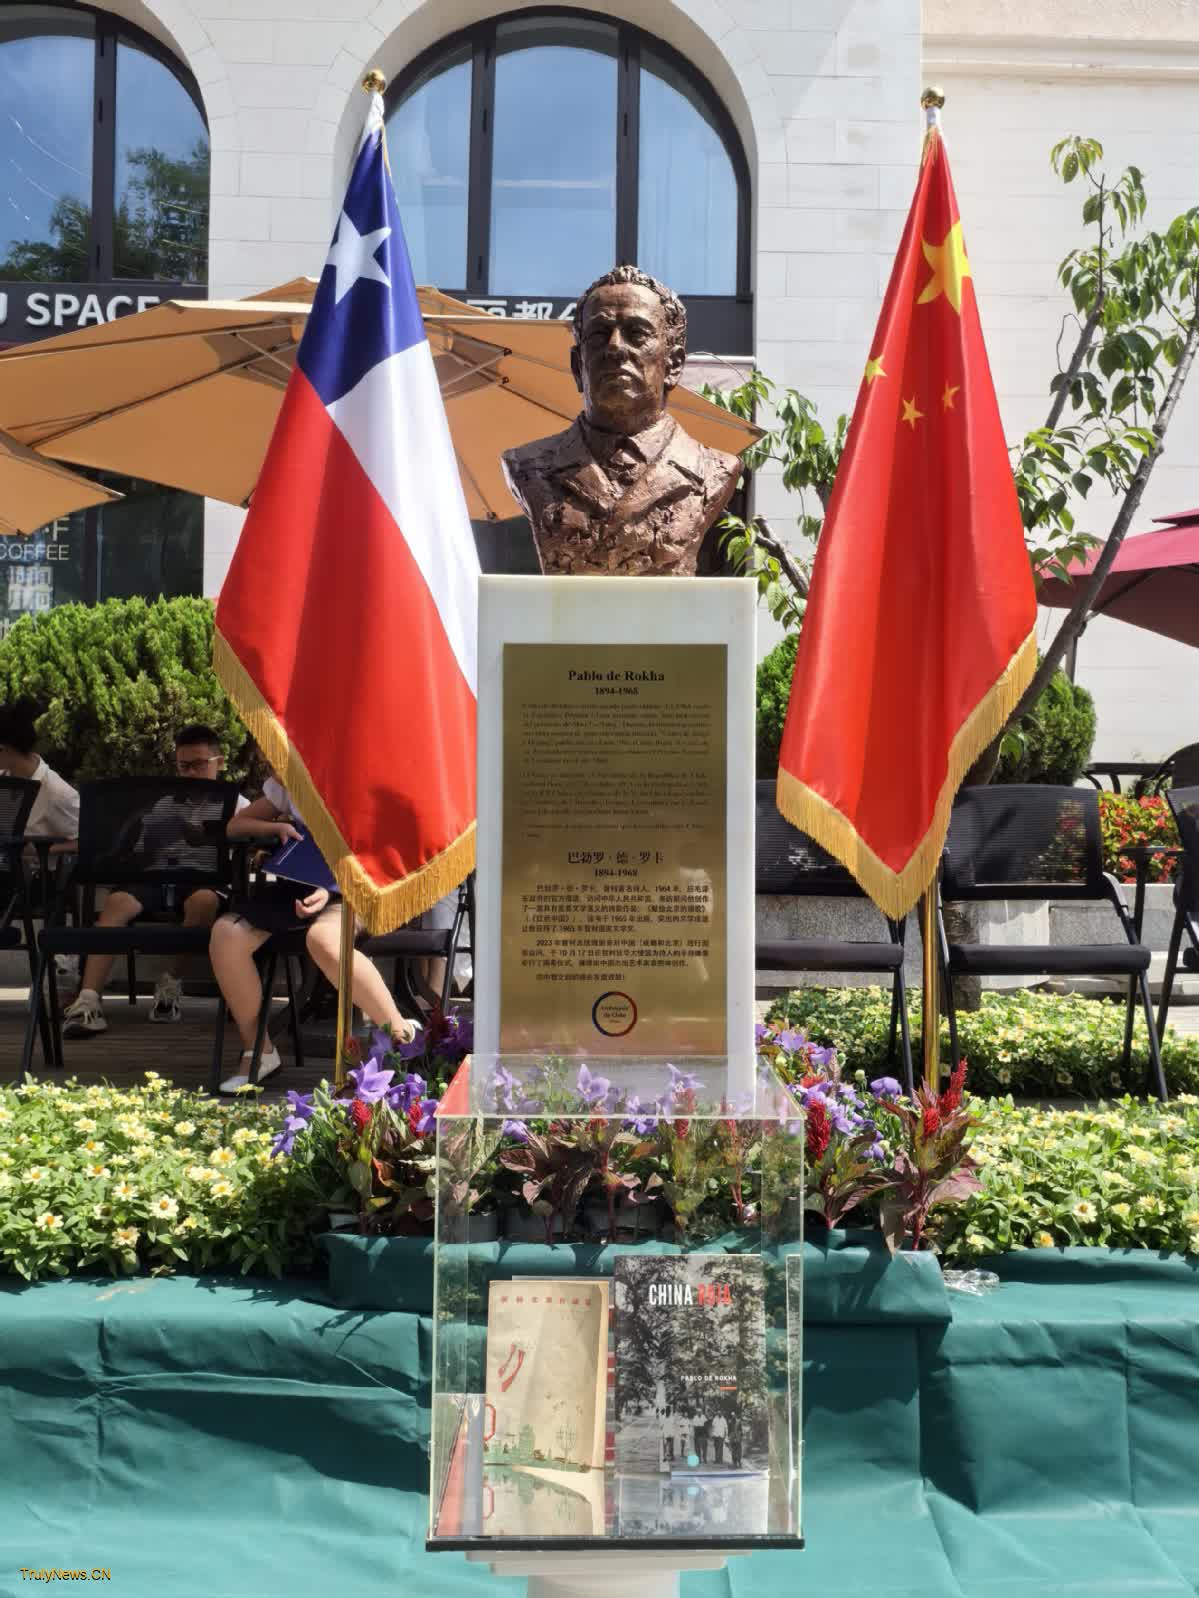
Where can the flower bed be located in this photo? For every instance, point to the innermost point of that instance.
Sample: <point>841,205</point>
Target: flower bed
<point>1127,822</point>
<point>1122,1175</point>
<point>1033,1045</point>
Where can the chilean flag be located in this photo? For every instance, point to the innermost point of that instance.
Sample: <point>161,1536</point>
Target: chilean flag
<point>346,628</point>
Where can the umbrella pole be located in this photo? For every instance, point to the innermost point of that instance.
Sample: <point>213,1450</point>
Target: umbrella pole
<point>345,993</point>
<point>931,1014</point>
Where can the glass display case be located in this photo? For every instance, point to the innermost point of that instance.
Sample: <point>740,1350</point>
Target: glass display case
<point>617,1310</point>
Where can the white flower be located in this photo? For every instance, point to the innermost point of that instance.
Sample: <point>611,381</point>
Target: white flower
<point>185,1128</point>
<point>124,1190</point>
<point>223,1189</point>
<point>165,1207</point>
<point>50,1223</point>
<point>1084,1211</point>
<point>126,1236</point>
<point>222,1157</point>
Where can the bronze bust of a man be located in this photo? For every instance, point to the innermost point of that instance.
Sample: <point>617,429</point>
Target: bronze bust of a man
<point>624,491</point>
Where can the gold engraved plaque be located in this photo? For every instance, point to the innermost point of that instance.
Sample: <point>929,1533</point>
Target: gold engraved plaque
<point>614,899</point>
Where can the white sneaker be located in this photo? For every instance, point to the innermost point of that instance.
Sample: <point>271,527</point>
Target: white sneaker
<point>168,991</point>
<point>270,1062</point>
<point>84,1018</point>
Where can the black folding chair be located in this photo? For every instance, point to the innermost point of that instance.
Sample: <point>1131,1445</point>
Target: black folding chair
<point>1184,802</point>
<point>406,945</point>
<point>787,861</point>
<point>135,830</point>
<point>17,910</point>
<point>1039,841</point>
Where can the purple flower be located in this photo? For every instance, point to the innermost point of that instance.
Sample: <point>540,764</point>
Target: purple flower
<point>301,1105</point>
<point>639,1120</point>
<point>821,1059</point>
<point>885,1087</point>
<point>682,1082</point>
<point>876,1151</point>
<point>790,1040</point>
<point>761,1031</point>
<point>405,1093</point>
<point>283,1144</point>
<point>382,1044</point>
<point>517,1130</point>
<point>413,1050</point>
<point>422,1116</point>
<point>465,1036</point>
<point>370,1084</point>
<point>593,1090</point>
<point>503,1086</point>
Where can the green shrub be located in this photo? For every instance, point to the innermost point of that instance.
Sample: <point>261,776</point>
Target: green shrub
<point>113,682</point>
<point>774,691</point>
<point>1053,741</point>
<point>1036,1045</point>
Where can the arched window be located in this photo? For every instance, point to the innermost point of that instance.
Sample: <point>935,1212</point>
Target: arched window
<point>103,155</point>
<point>103,210</point>
<point>532,152</point>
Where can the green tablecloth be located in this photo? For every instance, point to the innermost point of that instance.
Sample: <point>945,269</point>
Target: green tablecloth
<point>216,1438</point>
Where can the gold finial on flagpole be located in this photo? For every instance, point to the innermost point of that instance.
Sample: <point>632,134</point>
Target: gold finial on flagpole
<point>374,82</point>
<point>932,100</point>
<point>933,96</point>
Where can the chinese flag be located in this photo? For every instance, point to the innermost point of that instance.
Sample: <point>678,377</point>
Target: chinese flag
<point>919,633</point>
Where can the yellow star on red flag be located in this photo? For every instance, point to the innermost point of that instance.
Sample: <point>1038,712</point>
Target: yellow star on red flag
<point>950,269</point>
<point>910,414</point>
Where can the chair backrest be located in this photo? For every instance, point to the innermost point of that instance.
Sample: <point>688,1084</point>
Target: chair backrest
<point>788,861</point>
<point>17,795</point>
<point>1024,841</point>
<point>1184,802</point>
<point>1184,766</point>
<point>154,829</point>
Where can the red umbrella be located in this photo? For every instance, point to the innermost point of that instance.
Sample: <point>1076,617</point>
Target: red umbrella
<point>1153,583</point>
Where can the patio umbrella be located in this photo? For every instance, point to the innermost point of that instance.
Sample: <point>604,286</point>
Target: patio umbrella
<point>34,491</point>
<point>1153,583</point>
<point>186,393</point>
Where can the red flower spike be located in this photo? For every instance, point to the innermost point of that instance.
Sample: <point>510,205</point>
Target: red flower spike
<point>360,1115</point>
<point>819,1131</point>
<point>951,1099</point>
<point>932,1120</point>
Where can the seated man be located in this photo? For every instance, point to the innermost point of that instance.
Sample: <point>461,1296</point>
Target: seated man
<point>55,812</point>
<point>197,754</point>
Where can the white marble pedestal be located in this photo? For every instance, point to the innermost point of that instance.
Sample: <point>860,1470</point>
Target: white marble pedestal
<point>600,1574</point>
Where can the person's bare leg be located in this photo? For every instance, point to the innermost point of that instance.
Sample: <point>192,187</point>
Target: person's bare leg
<point>231,950</point>
<point>118,910</point>
<point>371,993</point>
<point>200,909</point>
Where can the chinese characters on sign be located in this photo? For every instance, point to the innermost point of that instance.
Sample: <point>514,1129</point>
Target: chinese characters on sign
<point>613,897</point>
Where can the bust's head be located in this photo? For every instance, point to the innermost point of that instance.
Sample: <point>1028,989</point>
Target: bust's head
<point>630,344</point>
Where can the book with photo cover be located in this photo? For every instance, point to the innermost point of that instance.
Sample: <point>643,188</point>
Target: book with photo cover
<point>690,1365</point>
<point>547,1374</point>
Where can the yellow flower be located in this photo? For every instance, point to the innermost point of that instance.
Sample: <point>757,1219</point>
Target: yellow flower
<point>1083,1211</point>
<point>98,1170</point>
<point>124,1190</point>
<point>5,1115</point>
<point>187,1224</point>
<point>222,1157</point>
<point>86,1124</point>
<point>166,1207</point>
<point>185,1128</point>
<point>1193,1243</point>
<point>1142,1156</point>
<point>126,1236</point>
<point>1122,1210</point>
<point>977,1242</point>
<point>35,1173</point>
<point>50,1223</point>
<point>200,1173</point>
<point>93,1146</point>
<point>1043,1240</point>
<point>5,1180</point>
<point>1149,1204</point>
<point>242,1135</point>
<point>1191,1219</point>
<point>223,1189</point>
<point>263,1158</point>
<point>151,1076</point>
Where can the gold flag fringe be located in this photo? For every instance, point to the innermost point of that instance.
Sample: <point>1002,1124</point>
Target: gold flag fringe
<point>895,892</point>
<point>380,909</point>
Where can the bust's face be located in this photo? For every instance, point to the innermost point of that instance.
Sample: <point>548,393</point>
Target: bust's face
<point>621,362</point>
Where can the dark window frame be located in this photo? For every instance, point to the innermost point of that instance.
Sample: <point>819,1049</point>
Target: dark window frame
<point>732,314</point>
<point>109,30</point>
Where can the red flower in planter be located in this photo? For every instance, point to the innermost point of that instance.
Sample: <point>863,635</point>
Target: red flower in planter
<point>932,1120</point>
<point>819,1131</point>
<point>360,1115</point>
<point>952,1096</point>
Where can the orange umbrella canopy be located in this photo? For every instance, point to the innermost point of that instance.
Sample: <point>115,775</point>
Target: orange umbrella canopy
<point>186,393</point>
<point>34,491</point>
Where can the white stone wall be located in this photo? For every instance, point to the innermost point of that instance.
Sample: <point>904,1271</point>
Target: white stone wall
<point>824,94</point>
<point>1128,75</point>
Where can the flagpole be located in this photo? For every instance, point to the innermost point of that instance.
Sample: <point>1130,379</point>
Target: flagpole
<point>345,992</point>
<point>373,83</point>
<point>932,100</point>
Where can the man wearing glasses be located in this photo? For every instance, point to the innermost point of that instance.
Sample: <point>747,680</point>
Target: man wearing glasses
<point>197,754</point>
